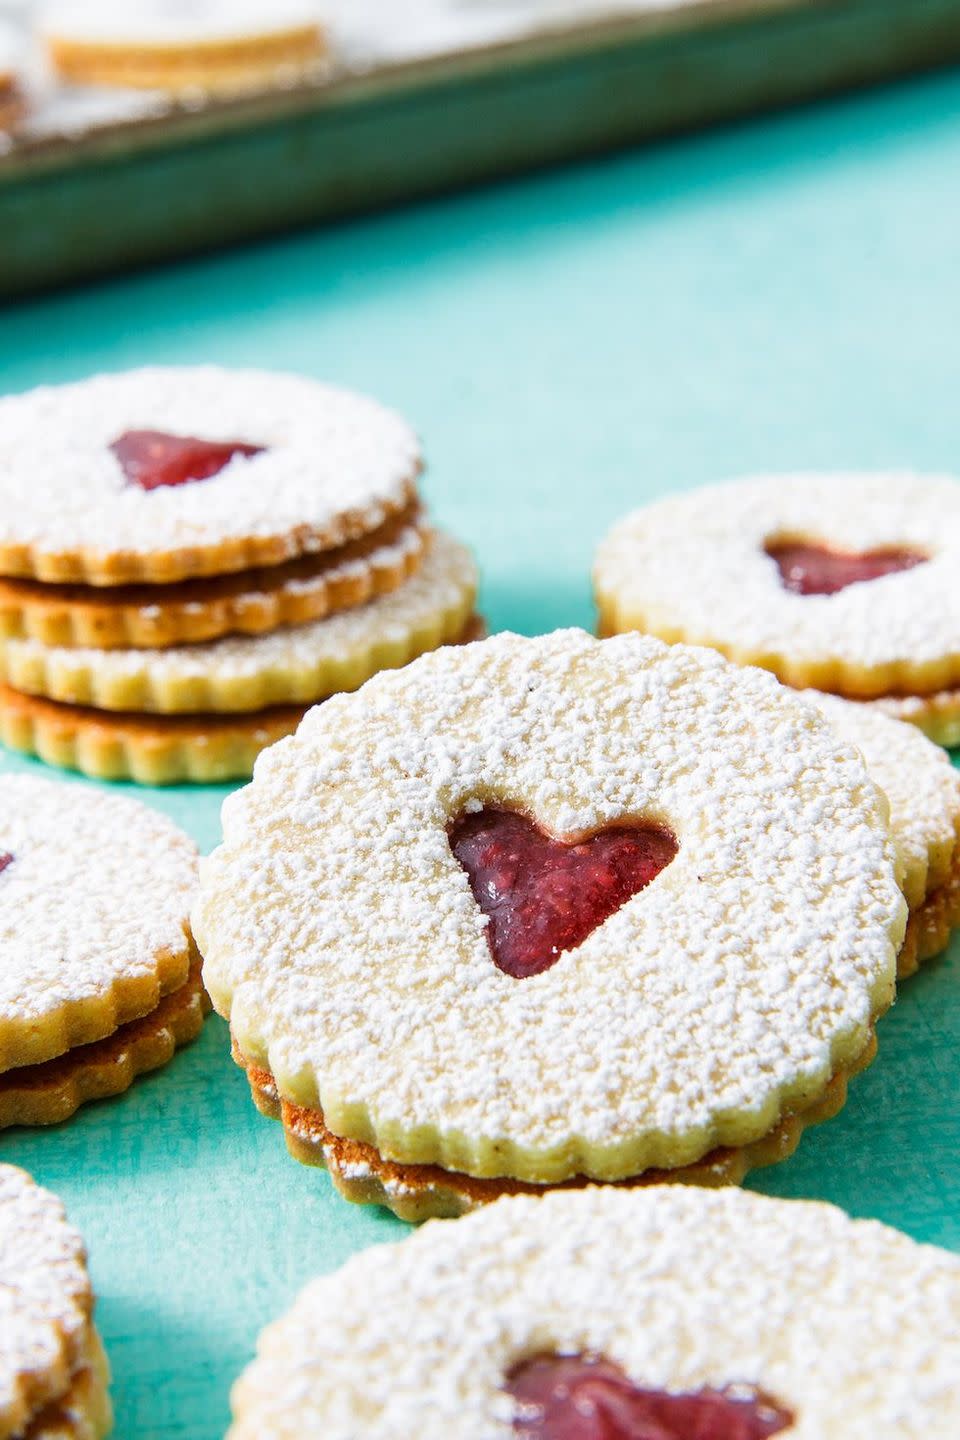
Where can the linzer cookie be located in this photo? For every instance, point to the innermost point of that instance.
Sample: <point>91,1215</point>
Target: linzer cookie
<point>99,980</point>
<point>246,603</point>
<point>53,1372</point>
<point>923,791</point>
<point>841,582</point>
<point>162,475</point>
<point>219,45</point>
<point>295,665</point>
<point>670,1314</point>
<point>562,910</point>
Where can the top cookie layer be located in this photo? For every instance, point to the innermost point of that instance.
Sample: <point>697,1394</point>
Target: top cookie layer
<point>158,23</point>
<point>94,902</point>
<point>341,936</point>
<point>695,568</point>
<point>849,1325</point>
<point>334,466</point>
<point>45,1299</point>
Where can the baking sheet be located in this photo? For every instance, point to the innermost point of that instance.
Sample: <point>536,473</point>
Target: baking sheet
<point>767,297</point>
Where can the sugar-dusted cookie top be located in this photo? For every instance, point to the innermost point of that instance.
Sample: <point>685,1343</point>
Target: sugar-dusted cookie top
<point>163,474</point>
<point>844,582</point>
<point>162,23</point>
<point>45,1300</point>
<point>95,892</point>
<point>749,1316</point>
<point>712,953</point>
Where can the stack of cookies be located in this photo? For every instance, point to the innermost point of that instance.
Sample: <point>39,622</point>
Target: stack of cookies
<point>99,977</point>
<point>192,557</point>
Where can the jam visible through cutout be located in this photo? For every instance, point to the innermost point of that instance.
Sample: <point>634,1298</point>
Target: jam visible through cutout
<point>813,570</point>
<point>583,1397</point>
<point>5,860</point>
<point>151,458</point>
<point>544,896</point>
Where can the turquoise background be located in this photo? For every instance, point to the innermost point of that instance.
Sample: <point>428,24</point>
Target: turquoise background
<point>779,295</point>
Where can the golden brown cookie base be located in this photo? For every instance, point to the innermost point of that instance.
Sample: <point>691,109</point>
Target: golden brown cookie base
<point>930,926</point>
<point>85,565</point>
<point>50,1093</point>
<point>151,749</point>
<point>154,617</point>
<point>234,64</point>
<point>84,1412</point>
<point>12,104</point>
<point>423,1192</point>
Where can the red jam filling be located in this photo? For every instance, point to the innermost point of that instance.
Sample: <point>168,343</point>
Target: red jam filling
<point>813,570</point>
<point>5,860</point>
<point>151,458</point>
<point>581,1397</point>
<point>544,896</point>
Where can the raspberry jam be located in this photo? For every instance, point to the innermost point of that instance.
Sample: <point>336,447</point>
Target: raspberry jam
<point>544,896</point>
<point>581,1397</point>
<point>813,570</point>
<point>5,860</point>
<point>151,458</point>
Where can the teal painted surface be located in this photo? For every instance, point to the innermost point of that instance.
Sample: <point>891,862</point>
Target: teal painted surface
<point>784,295</point>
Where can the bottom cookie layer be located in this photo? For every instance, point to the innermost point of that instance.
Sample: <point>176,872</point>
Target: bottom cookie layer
<point>425,1192</point>
<point>930,926</point>
<point>50,1093</point>
<point>85,1412</point>
<point>150,749</point>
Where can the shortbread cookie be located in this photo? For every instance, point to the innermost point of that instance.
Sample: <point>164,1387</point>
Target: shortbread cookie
<point>290,666</point>
<point>220,45</point>
<point>665,1313</point>
<point>47,1341</point>
<point>151,749</point>
<point>162,475</point>
<point>95,891</point>
<point>248,603</point>
<point>923,790</point>
<point>652,895</point>
<point>11,92</point>
<point>846,583</point>
<point>50,1093</point>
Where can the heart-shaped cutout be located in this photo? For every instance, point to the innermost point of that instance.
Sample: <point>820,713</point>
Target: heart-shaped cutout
<point>5,860</point>
<point>581,1397</point>
<point>808,569</point>
<point>152,458</point>
<point>544,896</point>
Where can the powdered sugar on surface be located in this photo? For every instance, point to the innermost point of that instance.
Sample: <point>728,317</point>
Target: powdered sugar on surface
<point>848,1324</point>
<point>328,452</point>
<point>694,568</point>
<point>299,663</point>
<point>45,1296</point>
<point>917,778</point>
<point>99,889</point>
<point>341,937</point>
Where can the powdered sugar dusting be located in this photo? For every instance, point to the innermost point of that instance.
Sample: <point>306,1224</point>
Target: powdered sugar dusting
<point>45,1297</point>
<point>341,937</point>
<point>98,893</point>
<point>694,568</point>
<point>848,1324</point>
<point>299,664</point>
<point>329,453</point>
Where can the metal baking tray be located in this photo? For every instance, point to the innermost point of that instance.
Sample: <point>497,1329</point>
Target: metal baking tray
<point>163,178</point>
